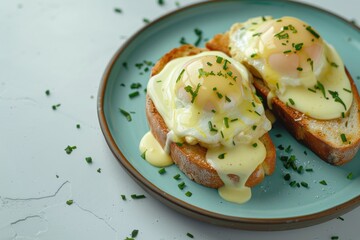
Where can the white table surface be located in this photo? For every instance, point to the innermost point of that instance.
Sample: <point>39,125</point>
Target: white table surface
<point>64,46</point>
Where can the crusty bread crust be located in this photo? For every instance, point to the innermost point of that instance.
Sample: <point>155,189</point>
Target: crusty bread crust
<point>321,136</point>
<point>191,158</point>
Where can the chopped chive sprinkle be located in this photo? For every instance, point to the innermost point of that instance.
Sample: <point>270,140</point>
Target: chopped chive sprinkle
<point>47,92</point>
<point>222,156</point>
<point>125,114</point>
<point>189,235</point>
<point>181,185</point>
<point>254,127</point>
<point>211,127</point>
<point>193,93</point>
<point>233,120</point>
<point>180,144</point>
<point>125,65</point>
<point>123,197</point>
<point>342,114</point>
<point>162,171</point>
<point>299,69</point>
<point>69,202</point>
<point>135,196</point>
<point>309,170</point>
<point>226,122</point>
<point>69,149</point>
<point>253,55</point>
<point>254,145</point>
<point>209,63</point>
<point>340,218</point>
<point>343,137</point>
<point>198,33</point>
<point>257,113</point>
<point>335,96</point>
<point>161,2</point>
<point>291,101</point>
<point>225,64</point>
<point>88,160</point>
<point>219,95</point>
<point>145,20</point>
<point>188,194</point>
<point>312,90</point>
<point>292,183</point>
<point>180,75</point>
<point>256,34</point>
<point>334,237</point>
<point>287,51</point>
<point>300,169</point>
<point>323,182</point>
<point>316,35</point>
<point>134,94</point>
<point>347,90</point>
<point>350,176</point>
<point>135,85</point>
<point>321,88</point>
<point>78,126</point>
<point>99,170</point>
<point>177,177</point>
<point>227,99</point>
<point>278,135</point>
<point>219,59</point>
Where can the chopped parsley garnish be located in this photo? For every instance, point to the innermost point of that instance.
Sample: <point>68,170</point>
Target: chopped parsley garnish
<point>298,46</point>
<point>323,182</point>
<point>134,94</point>
<point>181,185</point>
<point>88,160</point>
<point>350,176</point>
<point>135,196</point>
<point>188,194</point>
<point>222,156</point>
<point>47,92</point>
<point>134,233</point>
<point>312,31</point>
<point>69,149</point>
<point>117,10</point>
<point>335,96</point>
<point>334,64</point>
<point>135,85</point>
<point>343,137</point>
<point>193,93</point>
<point>162,171</point>
<point>287,177</point>
<point>189,235</point>
<point>56,106</point>
<point>125,114</point>
<point>143,155</point>
<point>69,202</point>
<point>321,88</point>
<point>198,33</point>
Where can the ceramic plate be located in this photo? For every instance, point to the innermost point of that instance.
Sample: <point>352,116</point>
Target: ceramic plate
<point>275,205</point>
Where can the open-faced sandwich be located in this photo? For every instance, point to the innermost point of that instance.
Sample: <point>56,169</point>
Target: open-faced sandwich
<point>303,79</point>
<point>205,117</point>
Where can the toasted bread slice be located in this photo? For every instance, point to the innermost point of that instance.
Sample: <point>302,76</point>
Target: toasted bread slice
<point>191,158</point>
<point>323,137</point>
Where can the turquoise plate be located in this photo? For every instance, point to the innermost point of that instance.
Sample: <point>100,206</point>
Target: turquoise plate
<point>275,205</point>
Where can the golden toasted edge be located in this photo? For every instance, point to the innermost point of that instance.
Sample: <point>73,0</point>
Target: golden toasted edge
<point>191,159</point>
<point>327,151</point>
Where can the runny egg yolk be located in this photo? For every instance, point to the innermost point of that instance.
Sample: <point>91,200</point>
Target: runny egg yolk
<point>208,99</point>
<point>298,66</point>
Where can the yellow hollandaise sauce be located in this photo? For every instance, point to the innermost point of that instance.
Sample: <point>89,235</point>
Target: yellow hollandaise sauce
<point>208,99</point>
<point>298,66</point>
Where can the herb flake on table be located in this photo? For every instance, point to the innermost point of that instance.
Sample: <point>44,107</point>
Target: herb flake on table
<point>69,149</point>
